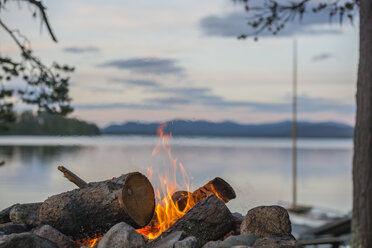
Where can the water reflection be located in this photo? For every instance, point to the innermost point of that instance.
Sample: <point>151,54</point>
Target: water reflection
<point>258,169</point>
<point>28,155</point>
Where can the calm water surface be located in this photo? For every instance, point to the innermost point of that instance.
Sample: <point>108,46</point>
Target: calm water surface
<point>259,169</point>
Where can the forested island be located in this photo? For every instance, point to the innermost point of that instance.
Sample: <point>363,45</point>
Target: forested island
<point>28,123</point>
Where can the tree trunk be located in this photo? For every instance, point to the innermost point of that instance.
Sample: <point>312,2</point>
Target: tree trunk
<point>208,220</point>
<point>94,209</point>
<point>362,162</point>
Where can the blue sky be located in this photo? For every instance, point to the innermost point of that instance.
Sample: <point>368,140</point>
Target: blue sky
<point>161,60</point>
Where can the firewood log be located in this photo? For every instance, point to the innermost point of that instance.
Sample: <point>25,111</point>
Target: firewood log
<point>94,209</point>
<point>26,213</point>
<point>72,177</point>
<point>208,220</point>
<point>4,214</point>
<point>216,186</point>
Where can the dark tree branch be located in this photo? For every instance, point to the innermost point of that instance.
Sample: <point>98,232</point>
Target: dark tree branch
<point>25,52</point>
<point>273,15</point>
<point>42,10</point>
<point>10,32</point>
<point>39,5</point>
<point>45,87</point>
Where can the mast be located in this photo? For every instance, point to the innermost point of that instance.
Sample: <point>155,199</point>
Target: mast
<point>294,127</point>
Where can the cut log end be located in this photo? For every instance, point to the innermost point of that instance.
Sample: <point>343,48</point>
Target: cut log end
<point>139,197</point>
<point>217,186</point>
<point>93,210</point>
<point>224,190</point>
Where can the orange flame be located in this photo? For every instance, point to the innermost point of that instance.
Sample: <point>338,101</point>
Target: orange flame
<point>90,242</point>
<point>167,211</point>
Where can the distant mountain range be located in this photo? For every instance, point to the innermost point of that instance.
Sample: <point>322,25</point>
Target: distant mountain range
<point>231,129</point>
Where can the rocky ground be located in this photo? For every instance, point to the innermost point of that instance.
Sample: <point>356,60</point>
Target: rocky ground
<point>265,226</point>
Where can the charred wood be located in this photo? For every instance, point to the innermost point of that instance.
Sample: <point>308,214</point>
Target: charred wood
<point>217,186</point>
<point>208,220</point>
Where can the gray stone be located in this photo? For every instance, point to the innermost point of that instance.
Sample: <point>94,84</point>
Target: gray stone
<point>168,241</point>
<point>26,213</point>
<point>55,236</point>
<point>245,240</point>
<point>9,228</point>
<point>240,246</point>
<point>277,242</point>
<point>267,221</point>
<point>189,242</point>
<point>25,240</point>
<point>237,215</point>
<point>212,244</point>
<point>238,219</point>
<point>122,235</point>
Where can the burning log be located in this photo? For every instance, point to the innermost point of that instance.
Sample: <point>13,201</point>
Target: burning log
<point>183,201</point>
<point>208,220</point>
<point>94,209</point>
<point>217,186</point>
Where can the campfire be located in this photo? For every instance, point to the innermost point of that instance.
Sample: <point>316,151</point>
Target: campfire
<point>173,203</point>
<point>172,211</point>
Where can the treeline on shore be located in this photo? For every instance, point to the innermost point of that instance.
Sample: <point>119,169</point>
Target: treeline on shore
<point>28,123</point>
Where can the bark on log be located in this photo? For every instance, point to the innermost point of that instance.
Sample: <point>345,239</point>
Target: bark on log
<point>26,213</point>
<point>208,220</point>
<point>93,210</point>
<point>216,186</point>
<point>72,177</point>
<point>4,214</point>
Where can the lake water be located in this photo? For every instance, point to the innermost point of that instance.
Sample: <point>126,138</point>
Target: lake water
<point>259,169</point>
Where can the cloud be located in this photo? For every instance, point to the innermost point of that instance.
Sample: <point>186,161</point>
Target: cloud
<point>135,82</point>
<point>115,106</point>
<point>169,101</point>
<point>155,66</point>
<point>305,104</point>
<point>178,97</point>
<point>204,96</point>
<point>236,23</point>
<point>89,49</point>
<point>186,91</point>
<point>321,57</point>
<point>105,90</point>
<point>317,104</point>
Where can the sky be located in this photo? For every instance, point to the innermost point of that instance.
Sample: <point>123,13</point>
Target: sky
<point>169,59</point>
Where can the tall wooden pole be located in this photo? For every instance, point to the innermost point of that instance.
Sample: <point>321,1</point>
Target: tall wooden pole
<point>294,126</point>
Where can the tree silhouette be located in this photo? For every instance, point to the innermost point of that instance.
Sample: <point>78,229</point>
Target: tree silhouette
<point>272,16</point>
<point>46,87</point>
